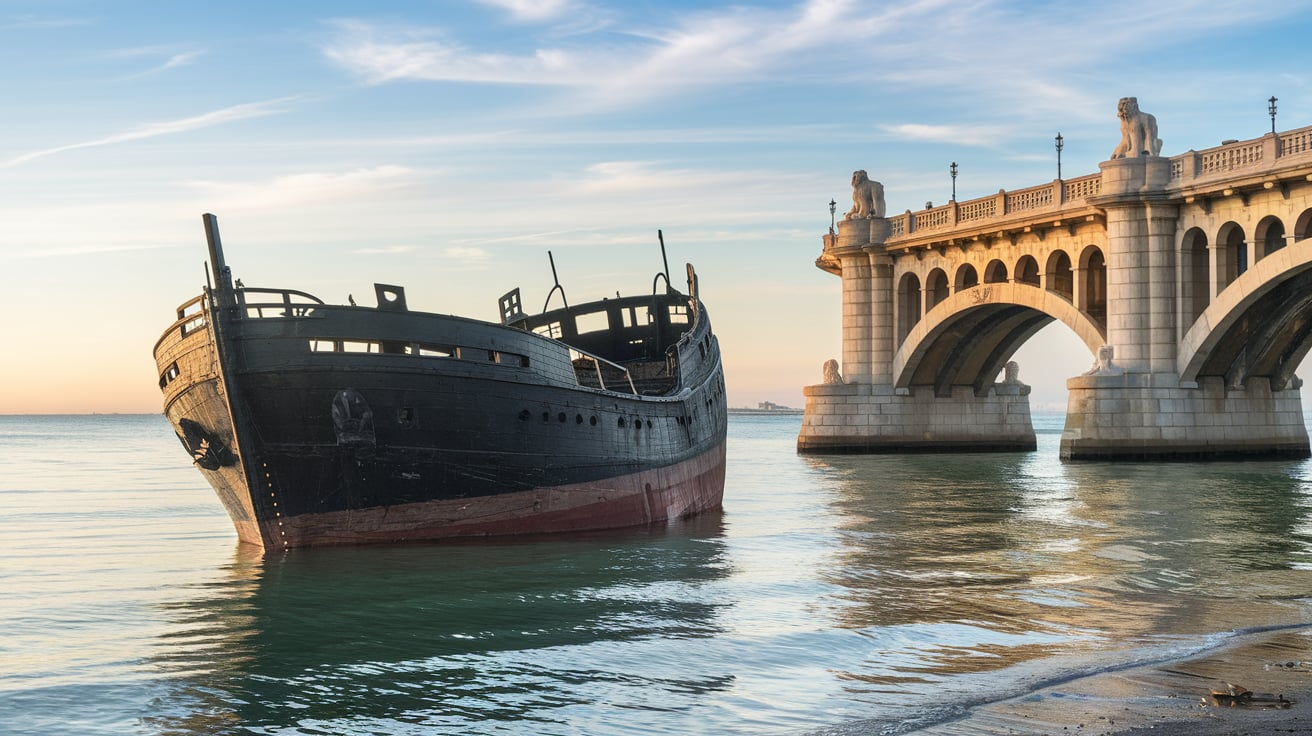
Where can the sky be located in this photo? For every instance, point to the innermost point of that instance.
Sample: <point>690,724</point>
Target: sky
<point>448,146</point>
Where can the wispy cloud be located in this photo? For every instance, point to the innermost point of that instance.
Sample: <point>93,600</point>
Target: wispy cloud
<point>387,250</point>
<point>34,22</point>
<point>311,188</point>
<point>965,135</point>
<point>533,10</point>
<point>465,253</point>
<point>971,49</point>
<point>168,127</point>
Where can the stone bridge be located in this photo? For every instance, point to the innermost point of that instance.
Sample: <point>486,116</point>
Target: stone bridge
<point>1188,278</point>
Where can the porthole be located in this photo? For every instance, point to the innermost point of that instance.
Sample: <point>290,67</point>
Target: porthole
<point>546,416</point>
<point>621,421</point>
<point>593,421</point>
<point>561,417</point>
<point>524,415</point>
<point>578,418</point>
<point>637,424</point>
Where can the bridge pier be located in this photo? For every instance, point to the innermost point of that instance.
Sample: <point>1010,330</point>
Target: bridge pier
<point>1149,416</point>
<point>1134,405</point>
<point>863,411</point>
<point>858,418</point>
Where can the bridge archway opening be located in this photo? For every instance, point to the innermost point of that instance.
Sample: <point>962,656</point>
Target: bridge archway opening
<point>1232,260</point>
<point>1093,300</point>
<point>1267,333</point>
<point>1194,269</point>
<point>908,304</point>
<point>1059,278</point>
<point>967,341</point>
<point>1027,271</point>
<point>936,288</point>
<point>1303,226</point>
<point>967,277</point>
<point>995,272</point>
<point>1270,235</point>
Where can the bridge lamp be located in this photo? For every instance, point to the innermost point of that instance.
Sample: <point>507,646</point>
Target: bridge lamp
<point>1271,108</point>
<point>832,206</point>
<point>1059,145</point>
<point>953,170</point>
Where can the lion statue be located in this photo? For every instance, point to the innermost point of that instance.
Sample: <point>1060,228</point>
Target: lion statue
<point>867,198</point>
<point>1138,131</point>
<point>831,372</point>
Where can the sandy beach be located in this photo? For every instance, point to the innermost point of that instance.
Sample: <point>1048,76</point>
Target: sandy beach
<point>1168,698</point>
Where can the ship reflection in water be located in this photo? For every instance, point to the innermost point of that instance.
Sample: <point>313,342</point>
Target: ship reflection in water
<point>852,595</point>
<point>380,637</point>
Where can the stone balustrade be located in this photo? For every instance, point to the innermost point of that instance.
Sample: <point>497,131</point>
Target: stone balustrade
<point>1072,193</point>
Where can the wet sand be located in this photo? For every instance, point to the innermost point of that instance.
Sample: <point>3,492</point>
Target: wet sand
<point>1167,698</point>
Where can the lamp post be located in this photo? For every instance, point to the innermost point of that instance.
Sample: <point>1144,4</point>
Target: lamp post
<point>1272,109</point>
<point>832,207</point>
<point>1059,145</point>
<point>953,170</point>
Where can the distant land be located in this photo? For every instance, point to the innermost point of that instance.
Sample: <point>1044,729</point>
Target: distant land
<point>765,407</point>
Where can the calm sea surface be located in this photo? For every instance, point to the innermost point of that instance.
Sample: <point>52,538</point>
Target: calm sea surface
<point>847,595</point>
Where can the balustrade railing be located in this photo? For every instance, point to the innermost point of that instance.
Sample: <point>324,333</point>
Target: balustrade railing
<point>1072,192</point>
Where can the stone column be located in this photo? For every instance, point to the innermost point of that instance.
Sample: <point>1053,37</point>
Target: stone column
<point>883,327</point>
<point>858,311</point>
<point>1079,288</point>
<point>1133,195</point>
<point>856,317</point>
<point>1128,316</point>
<point>1161,221</point>
<point>1215,269</point>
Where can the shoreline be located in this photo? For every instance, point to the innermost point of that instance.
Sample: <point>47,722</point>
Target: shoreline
<point>1168,698</point>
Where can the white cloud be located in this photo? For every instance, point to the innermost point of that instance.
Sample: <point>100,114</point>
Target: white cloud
<point>168,127</point>
<point>533,10</point>
<point>965,135</point>
<point>464,253</point>
<point>311,188</point>
<point>973,51</point>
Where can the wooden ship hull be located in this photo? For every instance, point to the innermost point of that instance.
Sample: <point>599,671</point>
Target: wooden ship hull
<point>321,424</point>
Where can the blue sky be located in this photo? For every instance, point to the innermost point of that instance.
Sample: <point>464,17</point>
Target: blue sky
<point>447,146</point>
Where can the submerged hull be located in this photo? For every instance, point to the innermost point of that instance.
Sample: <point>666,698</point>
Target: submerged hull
<point>319,424</point>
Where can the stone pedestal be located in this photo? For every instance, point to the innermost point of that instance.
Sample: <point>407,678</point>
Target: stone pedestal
<point>1145,416</point>
<point>864,418</point>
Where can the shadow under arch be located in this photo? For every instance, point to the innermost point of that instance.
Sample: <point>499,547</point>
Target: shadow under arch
<point>1258,326</point>
<point>968,337</point>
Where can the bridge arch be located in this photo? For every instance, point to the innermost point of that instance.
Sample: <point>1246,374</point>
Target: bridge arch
<point>1058,276</point>
<point>995,272</point>
<point>1027,270</point>
<point>1269,236</point>
<point>1092,298</point>
<point>908,304</point>
<point>1261,326</point>
<point>936,288</point>
<point>1232,255</point>
<point>1194,271</point>
<point>968,338</point>
<point>966,277</point>
<point>1303,225</point>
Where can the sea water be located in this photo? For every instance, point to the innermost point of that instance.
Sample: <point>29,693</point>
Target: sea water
<point>853,595</point>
